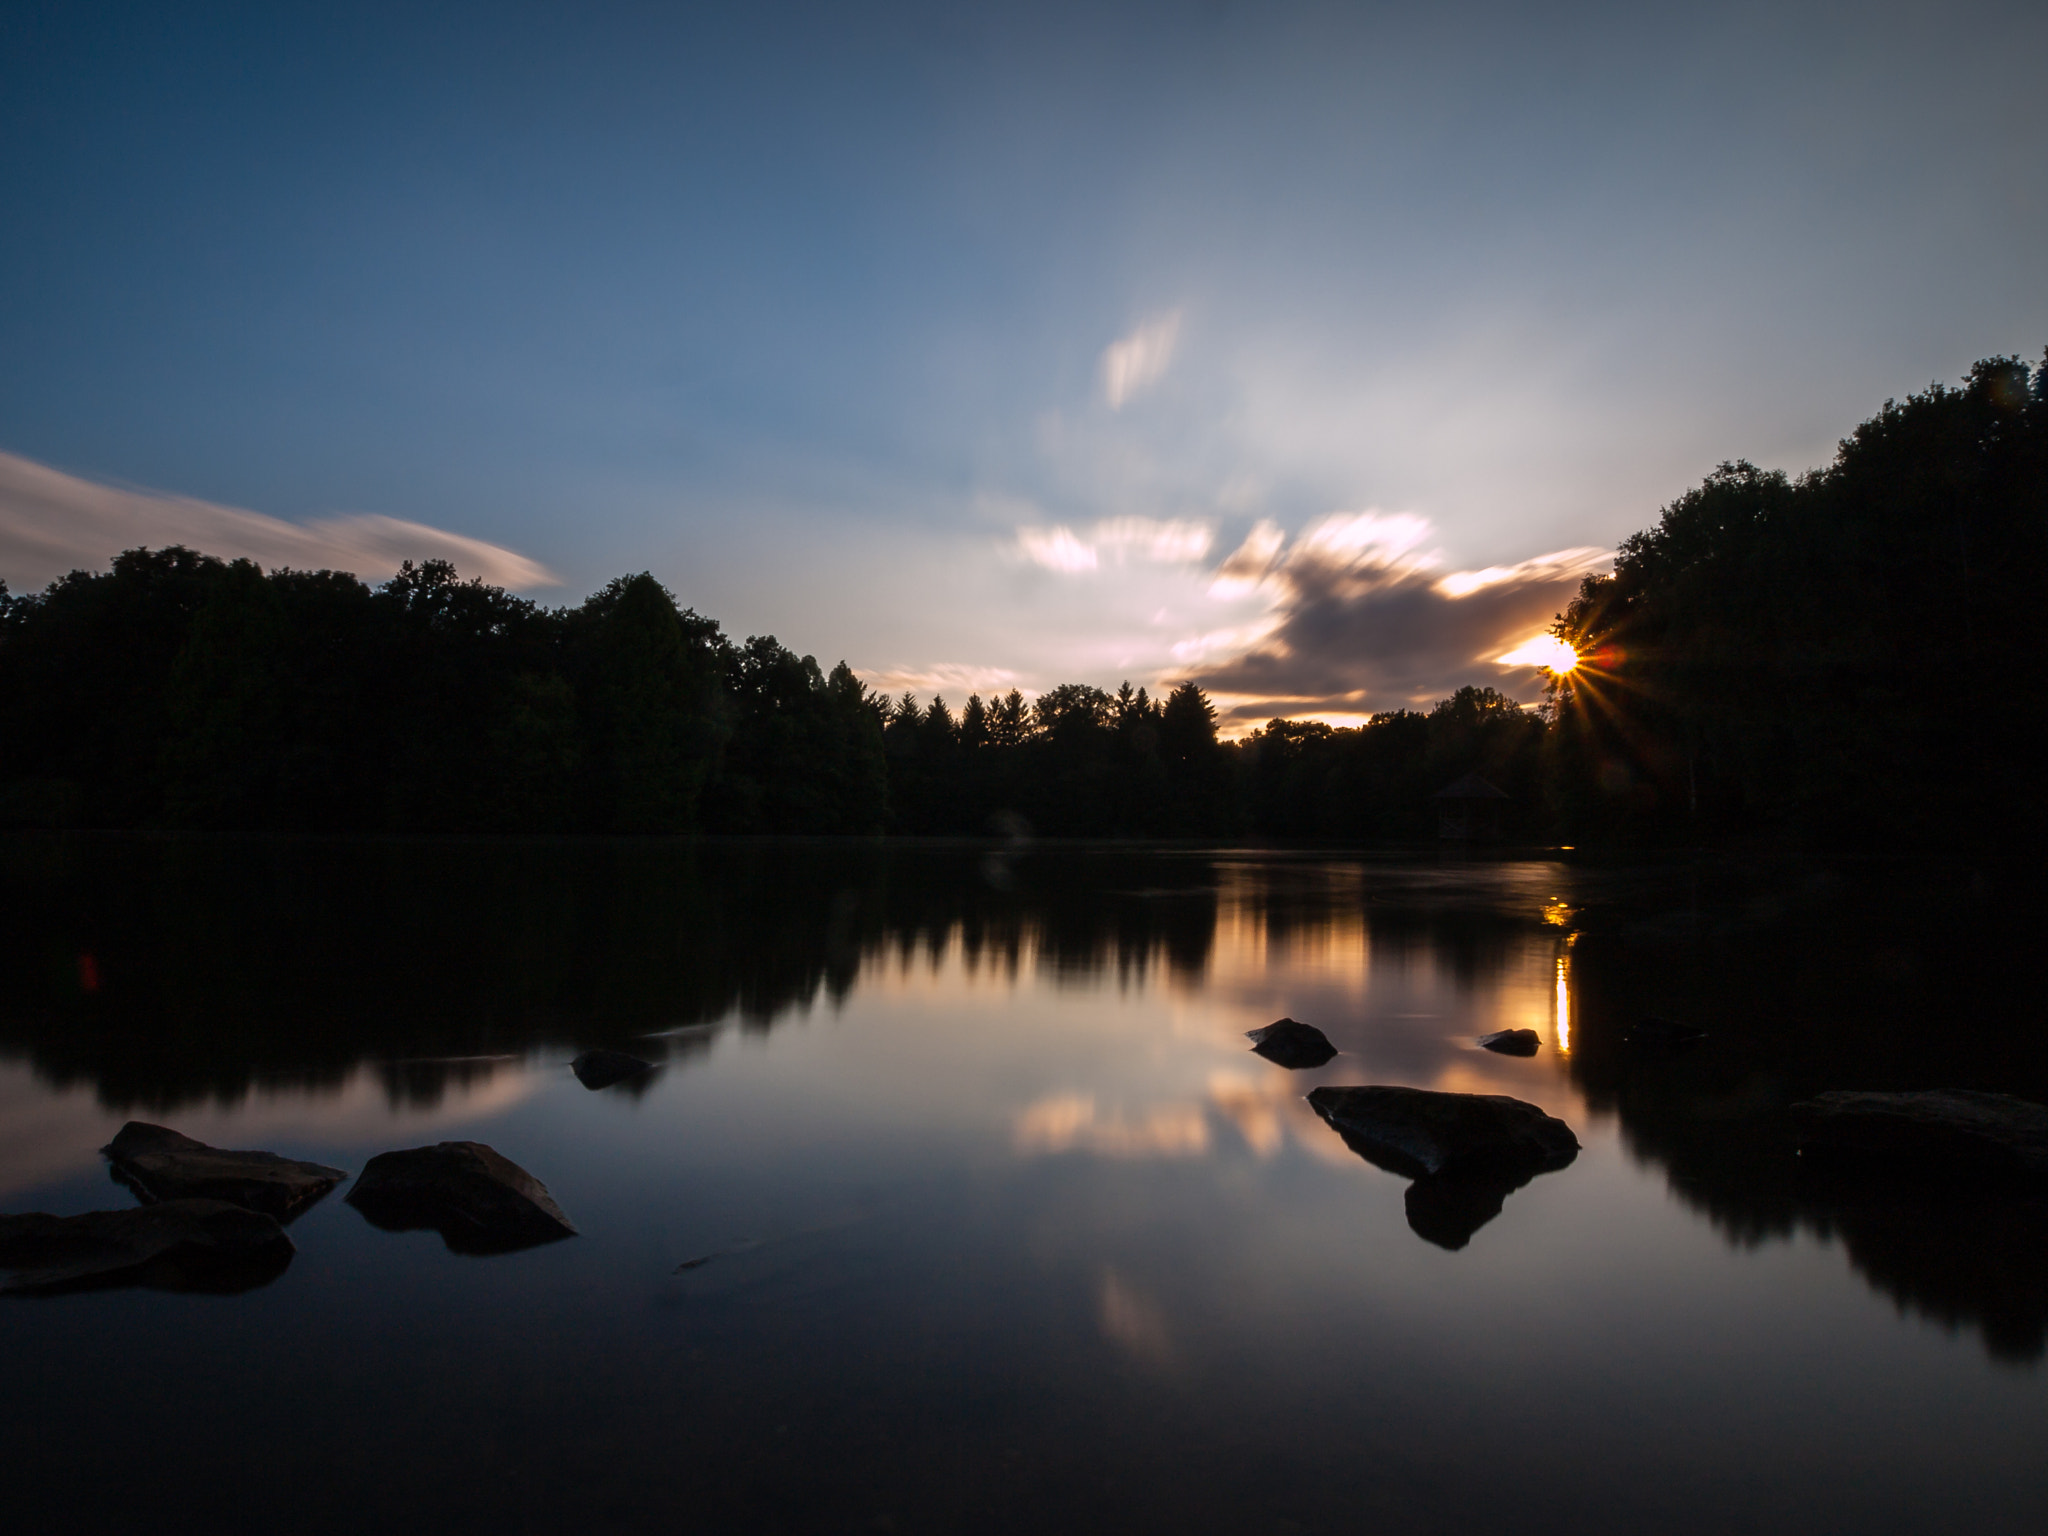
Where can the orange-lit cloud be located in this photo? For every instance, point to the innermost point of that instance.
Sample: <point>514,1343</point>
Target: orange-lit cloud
<point>1362,618</point>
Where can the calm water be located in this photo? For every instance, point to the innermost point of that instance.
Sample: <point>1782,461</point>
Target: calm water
<point>1008,1230</point>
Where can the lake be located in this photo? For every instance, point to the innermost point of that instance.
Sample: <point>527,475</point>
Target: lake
<point>957,1200</point>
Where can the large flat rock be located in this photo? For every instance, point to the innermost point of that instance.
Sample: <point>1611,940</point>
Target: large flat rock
<point>1937,1128</point>
<point>206,1245</point>
<point>1417,1131</point>
<point>160,1164</point>
<point>1466,1152</point>
<point>478,1200</point>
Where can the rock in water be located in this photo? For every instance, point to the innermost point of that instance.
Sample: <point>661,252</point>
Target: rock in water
<point>1289,1044</point>
<point>160,1164</point>
<point>184,1245</point>
<point>601,1069</point>
<point>478,1200</point>
<point>1512,1042</point>
<point>1947,1128</point>
<point>1466,1152</point>
<point>1416,1131</point>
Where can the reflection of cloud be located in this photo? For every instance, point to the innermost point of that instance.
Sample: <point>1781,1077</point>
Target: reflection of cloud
<point>52,523</point>
<point>1066,1122</point>
<point>1138,361</point>
<point>1157,541</point>
<point>1362,619</point>
<point>1255,1114</point>
<point>1132,1321</point>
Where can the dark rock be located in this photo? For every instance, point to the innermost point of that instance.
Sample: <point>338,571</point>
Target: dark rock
<point>1466,1152</point>
<point>1652,1034</point>
<point>601,1069</point>
<point>1512,1042</point>
<point>1942,1128</point>
<point>477,1199</point>
<point>1415,1131</point>
<point>185,1245</point>
<point>1289,1044</point>
<point>160,1164</point>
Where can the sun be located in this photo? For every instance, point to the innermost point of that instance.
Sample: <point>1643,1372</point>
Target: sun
<point>1546,651</point>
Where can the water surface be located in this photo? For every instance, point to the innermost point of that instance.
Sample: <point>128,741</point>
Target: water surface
<point>1001,1226</point>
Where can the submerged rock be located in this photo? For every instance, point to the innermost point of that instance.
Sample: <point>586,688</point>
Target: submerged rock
<point>1944,1128</point>
<point>1289,1044</point>
<point>477,1199</point>
<point>1512,1042</point>
<point>601,1069</point>
<point>185,1245</point>
<point>160,1164</point>
<point>1466,1152</point>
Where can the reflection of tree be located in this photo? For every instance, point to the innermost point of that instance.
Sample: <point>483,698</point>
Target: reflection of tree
<point>218,966</point>
<point>1823,1000</point>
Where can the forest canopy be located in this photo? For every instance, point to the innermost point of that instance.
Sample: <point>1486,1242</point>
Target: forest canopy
<point>1849,655</point>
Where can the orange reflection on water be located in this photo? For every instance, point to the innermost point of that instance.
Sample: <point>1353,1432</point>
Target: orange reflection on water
<point>1064,1122</point>
<point>1563,1034</point>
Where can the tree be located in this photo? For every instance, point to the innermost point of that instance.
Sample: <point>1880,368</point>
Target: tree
<point>647,691</point>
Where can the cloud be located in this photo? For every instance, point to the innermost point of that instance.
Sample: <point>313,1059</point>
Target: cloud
<point>52,523</point>
<point>1138,361</point>
<point>1563,564</point>
<point>1249,562</point>
<point>1117,540</point>
<point>1363,619</point>
<point>1056,549</point>
<point>942,679</point>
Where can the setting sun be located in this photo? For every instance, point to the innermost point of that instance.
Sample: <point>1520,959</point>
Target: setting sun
<point>1544,651</point>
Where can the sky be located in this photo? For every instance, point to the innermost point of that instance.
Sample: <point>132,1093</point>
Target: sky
<point>1314,352</point>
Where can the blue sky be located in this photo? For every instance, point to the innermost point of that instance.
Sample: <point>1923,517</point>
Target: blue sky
<point>991,345</point>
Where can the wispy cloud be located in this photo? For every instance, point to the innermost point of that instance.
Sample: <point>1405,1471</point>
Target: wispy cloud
<point>1249,562</point>
<point>52,523</point>
<point>1117,540</point>
<point>942,679</point>
<point>1135,363</point>
<point>1559,565</point>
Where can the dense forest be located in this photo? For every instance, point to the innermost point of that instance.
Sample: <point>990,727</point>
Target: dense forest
<point>1845,656</point>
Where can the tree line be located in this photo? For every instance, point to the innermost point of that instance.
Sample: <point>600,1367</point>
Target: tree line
<point>1845,655</point>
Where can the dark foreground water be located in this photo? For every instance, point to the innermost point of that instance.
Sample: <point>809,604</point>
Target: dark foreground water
<point>1007,1231</point>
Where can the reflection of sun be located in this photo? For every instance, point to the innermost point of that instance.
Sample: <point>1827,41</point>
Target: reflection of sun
<point>1563,1032</point>
<point>1546,651</point>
